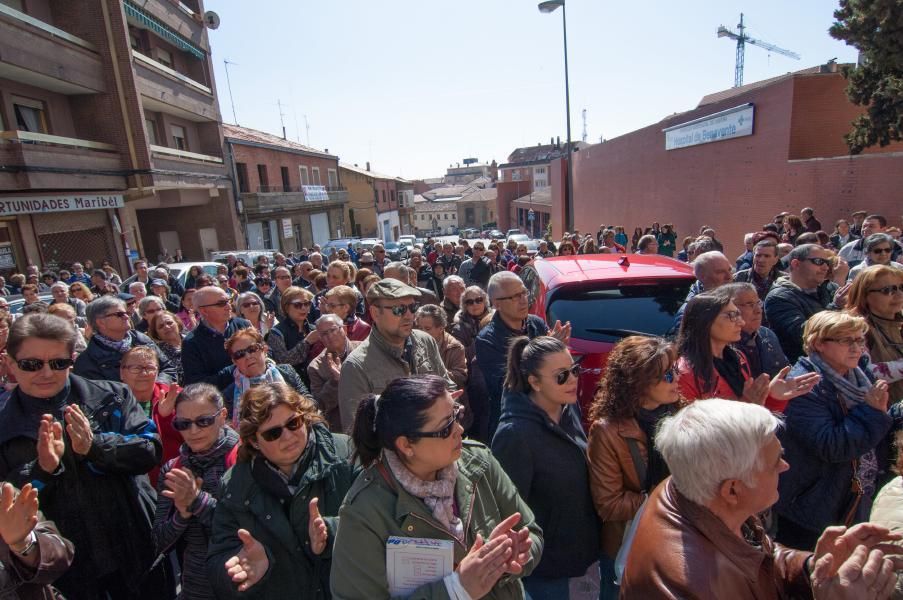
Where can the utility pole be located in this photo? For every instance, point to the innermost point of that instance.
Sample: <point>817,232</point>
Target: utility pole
<point>281,115</point>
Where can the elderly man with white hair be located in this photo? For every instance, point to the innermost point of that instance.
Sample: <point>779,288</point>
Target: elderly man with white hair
<point>325,368</point>
<point>712,270</point>
<point>452,289</point>
<point>60,292</point>
<point>699,536</point>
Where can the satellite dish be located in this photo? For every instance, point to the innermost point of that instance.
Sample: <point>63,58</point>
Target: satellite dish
<point>211,19</point>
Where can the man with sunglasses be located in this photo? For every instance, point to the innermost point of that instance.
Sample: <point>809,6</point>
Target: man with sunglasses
<point>113,336</point>
<point>804,292</point>
<point>204,353</point>
<point>393,349</point>
<point>87,446</point>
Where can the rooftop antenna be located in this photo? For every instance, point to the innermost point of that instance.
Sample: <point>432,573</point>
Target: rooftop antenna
<point>584,126</point>
<point>229,85</point>
<point>281,115</point>
<point>742,40</point>
<point>307,129</point>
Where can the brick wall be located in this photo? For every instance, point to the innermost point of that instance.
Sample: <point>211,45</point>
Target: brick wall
<point>274,160</point>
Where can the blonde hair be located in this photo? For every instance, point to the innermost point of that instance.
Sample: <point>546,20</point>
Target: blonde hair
<point>831,324</point>
<point>859,291</point>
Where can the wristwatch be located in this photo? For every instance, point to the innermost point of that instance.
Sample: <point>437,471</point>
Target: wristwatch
<point>30,542</point>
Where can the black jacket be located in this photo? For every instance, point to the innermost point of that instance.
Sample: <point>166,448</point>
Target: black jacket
<point>787,308</point>
<point>102,502</point>
<point>547,462</point>
<point>204,353</point>
<point>100,362</point>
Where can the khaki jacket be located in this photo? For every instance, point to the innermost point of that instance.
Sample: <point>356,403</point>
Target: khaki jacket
<point>372,365</point>
<point>376,509</point>
<point>615,485</point>
<point>682,550</point>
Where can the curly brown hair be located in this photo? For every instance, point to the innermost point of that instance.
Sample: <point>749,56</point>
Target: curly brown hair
<point>257,405</point>
<point>634,365</point>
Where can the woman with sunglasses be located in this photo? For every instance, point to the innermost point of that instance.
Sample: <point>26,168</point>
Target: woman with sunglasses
<point>189,485</point>
<point>252,367</point>
<point>275,525</point>
<point>249,306</point>
<point>81,291</point>
<point>423,480</point>
<point>878,250</point>
<point>877,296</point>
<point>291,340</point>
<point>474,314</point>
<point>710,367</point>
<point>541,445</point>
<point>638,390</point>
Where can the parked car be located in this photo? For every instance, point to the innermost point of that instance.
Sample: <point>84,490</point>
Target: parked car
<point>520,238</point>
<point>366,244</point>
<point>17,302</point>
<point>180,271</point>
<point>512,232</point>
<point>248,256</point>
<point>339,243</point>
<point>606,297</point>
<point>396,251</point>
<point>495,234</point>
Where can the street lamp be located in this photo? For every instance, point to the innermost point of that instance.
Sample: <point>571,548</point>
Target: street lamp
<point>547,7</point>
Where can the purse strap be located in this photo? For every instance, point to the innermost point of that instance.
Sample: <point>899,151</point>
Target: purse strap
<point>855,484</point>
<point>638,463</point>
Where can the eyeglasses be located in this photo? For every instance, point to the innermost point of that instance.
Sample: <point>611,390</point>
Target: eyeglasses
<point>260,282</point>
<point>457,416</point>
<point>848,342</point>
<point>399,310</point>
<point>880,250</point>
<point>141,369</point>
<point>671,374</point>
<point>120,314</point>
<point>330,331</point>
<point>562,376</point>
<point>472,301</point>
<point>519,296</point>
<point>283,276</point>
<point>888,290</point>
<point>33,365</point>
<point>274,433</point>
<point>239,354</point>
<point>299,303</point>
<point>733,316</point>
<point>202,422</point>
<point>757,303</point>
<point>250,304</point>
<point>218,304</point>
<point>819,262</point>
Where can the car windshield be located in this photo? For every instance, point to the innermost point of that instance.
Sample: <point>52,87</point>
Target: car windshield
<point>610,313</point>
<point>519,237</point>
<point>391,246</point>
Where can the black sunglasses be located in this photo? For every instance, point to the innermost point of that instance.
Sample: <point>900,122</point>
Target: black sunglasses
<point>446,430</point>
<point>264,282</point>
<point>249,304</point>
<point>472,301</point>
<point>202,422</point>
<point>819,262</point>
<point>562,376</point>
<point>880,250</point>
<point>239,354</point>
<point>119,314</point>
<point>274,433</point>
<point>299,303</point>
<point>218,304</point>
<point>888,290</point>
<point>33,365</point>
<point>400,309</point>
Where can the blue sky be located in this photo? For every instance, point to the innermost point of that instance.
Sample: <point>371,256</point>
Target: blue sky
<point>412,86</point>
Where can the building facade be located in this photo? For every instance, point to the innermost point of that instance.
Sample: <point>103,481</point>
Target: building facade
<point>110,142</point>
<point>383,192</point>
<point>291,195</point>
<point>434,217</point>
<point>477,210</point>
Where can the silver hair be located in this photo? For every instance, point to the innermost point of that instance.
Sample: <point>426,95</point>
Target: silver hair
<point>877,238</point>
<point>135,284</point>
<point>711,441</point>
<point>498,280</point>
<point>98,307</point>
<point>702,261</point>
<point>330,317</point>
<point>146,301</point>
<point>433,312</point>
<point>60,284</point>
<point>450,280</point>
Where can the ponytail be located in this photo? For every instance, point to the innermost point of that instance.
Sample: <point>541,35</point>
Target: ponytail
<point>526,357</point>
<point>363,432</point>
<point>515,378</point>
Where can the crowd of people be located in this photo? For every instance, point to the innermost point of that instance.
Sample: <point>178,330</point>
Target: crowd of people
<point>271,429</point>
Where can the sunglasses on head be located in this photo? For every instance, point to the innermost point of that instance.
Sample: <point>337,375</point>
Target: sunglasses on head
<point>400,309</point>
<point>472,301</point>
<point>33,365</point>
<point>239,354</point>
<point>202,422</point>
<point>562,376</point>
<point>274,433</point>
<point>446,430</point>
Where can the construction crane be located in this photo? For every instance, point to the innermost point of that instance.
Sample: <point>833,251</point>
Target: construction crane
<point>742,40</point>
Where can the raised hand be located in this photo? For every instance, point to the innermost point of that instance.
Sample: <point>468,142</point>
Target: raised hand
<point>250,564</point>
<point>787,388</point>
<point>167,404</point>
<point>316,528</point>
<point>561,332</point>
<point>484,565</point>
<point>755,391</point>
<point>520,542</point>
<point>334,365</point>
<point>270,320</point>
<point>877,397</point>
<point>182,487</point>
<point>18,513</point>
<point>50,444</point>
<point>864,575</point>
<point>841,542</point>
<point>79,429</point>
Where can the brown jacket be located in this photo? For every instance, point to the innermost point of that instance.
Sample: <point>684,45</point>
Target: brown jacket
<point>613,480</point>
<point>325,389</point>
<point>454,359</point>
<point>27,583</point>
<point>682,550</point>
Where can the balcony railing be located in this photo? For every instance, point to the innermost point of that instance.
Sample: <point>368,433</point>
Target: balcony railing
<point>171,72</point>
<point>185,154</point>
<point>54,31</point>
<point>281,189</point>
<point>29,137</point>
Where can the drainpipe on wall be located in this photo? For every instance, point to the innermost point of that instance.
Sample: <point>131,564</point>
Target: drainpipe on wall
<point>239,206</point>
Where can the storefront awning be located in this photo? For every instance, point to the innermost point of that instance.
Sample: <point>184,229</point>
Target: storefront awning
<point>145,19</point>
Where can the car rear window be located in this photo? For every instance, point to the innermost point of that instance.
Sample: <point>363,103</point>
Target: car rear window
<point>609,313</point>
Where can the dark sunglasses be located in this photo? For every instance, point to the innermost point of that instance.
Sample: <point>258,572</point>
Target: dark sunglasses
<point>400,309</point>
<point>888,290</point>
<point>819,262</point>
<point>472,301</point>
<point>119,314</point>
<point>218,304</point>
<point>202,422</point>
<point>880,250</point>
<point>562,376</point>
<point>33,365</point>
<point>274,433</point>
<point>299,303</point>
<point>250,304</point>
<point>446,430</point>
<point>239,354</point>
<point>264,282</point>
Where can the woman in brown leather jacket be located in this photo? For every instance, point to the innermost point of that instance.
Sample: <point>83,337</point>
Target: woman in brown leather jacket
<point>639,389</point>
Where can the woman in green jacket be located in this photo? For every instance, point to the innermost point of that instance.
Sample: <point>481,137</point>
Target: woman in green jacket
<point>268,538</point>
<point>422,480</point>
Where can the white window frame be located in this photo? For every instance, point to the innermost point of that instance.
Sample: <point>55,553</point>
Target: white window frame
<point>305,178</point>
<point>172,134</point>
<point>315,176</point>
<point>332,178</point>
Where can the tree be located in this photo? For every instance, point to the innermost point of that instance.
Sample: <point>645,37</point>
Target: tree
<point>875,28</point>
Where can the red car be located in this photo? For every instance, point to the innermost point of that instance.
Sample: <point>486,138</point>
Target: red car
<point>606,297</point>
